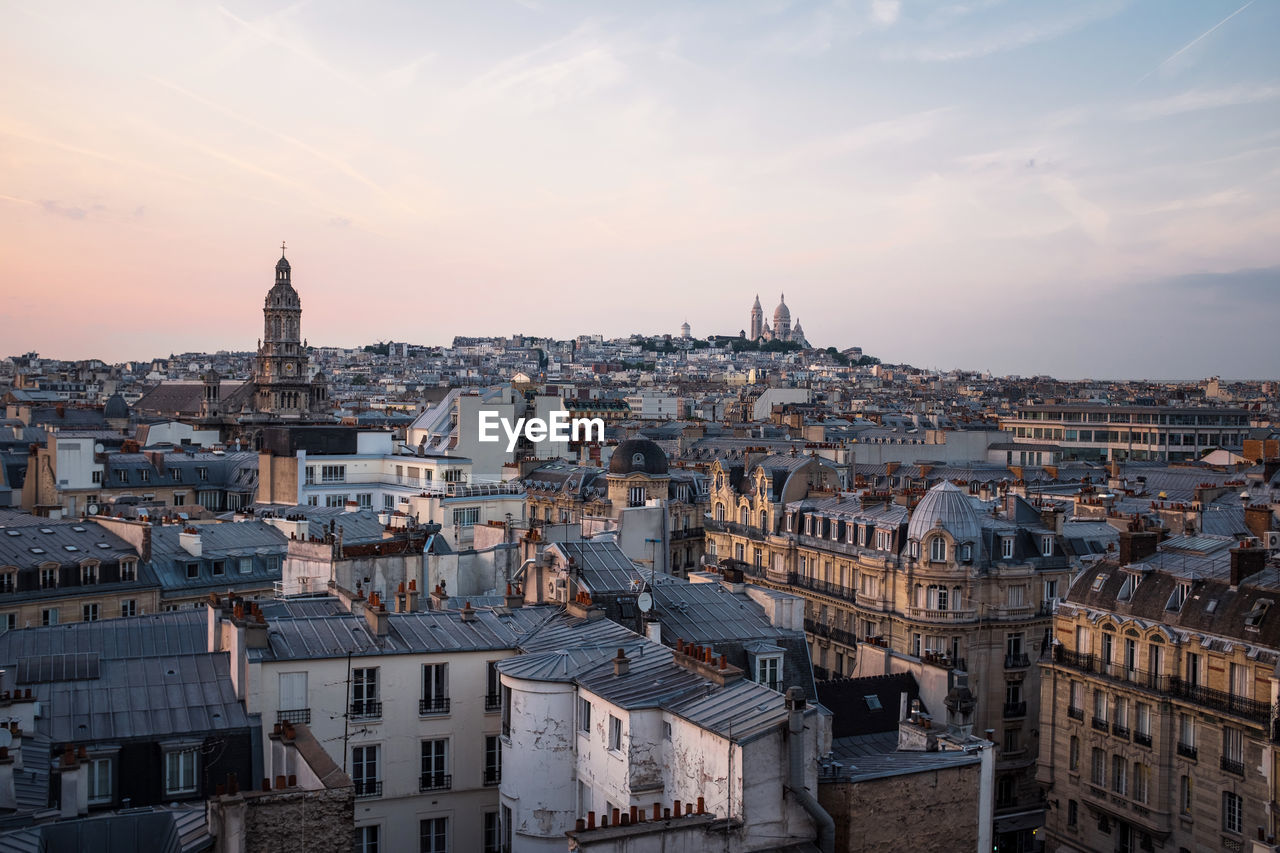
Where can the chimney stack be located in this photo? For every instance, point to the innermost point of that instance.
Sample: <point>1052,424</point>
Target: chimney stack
<point>621,664</point>
<point>1137,545</point>
<point>1247,559</point>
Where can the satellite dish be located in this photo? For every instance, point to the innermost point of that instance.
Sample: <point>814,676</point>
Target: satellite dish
<point>645,602</point>
<point>98,448</point>
<point>93,509</point>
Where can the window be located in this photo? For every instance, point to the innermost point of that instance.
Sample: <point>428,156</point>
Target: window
<point>1017,596</point>
<point>1184,795</point>
<point>219,567</point>
<point>97,476</point>
<point>90,613</point>
<point>1119,775</point>
<point>1232,812</point>
<point>144,476</point>
<point>1193,669</point>
<point>1239,681</point>
<point>128,607</point>
<point>1100,705</point>
<point>584,715</point>
<point>1142,722</point>
<point>1073,813</point>
<point>435,766</point>
<point>491,832</point>
<point>193,571</point>
<point>938,550</point>
<point>1077,696</point>
<point>128,570</point>
<point>1011,740</point>
<point>180,772</point>
<point>636,496</point>
<point>365,499</point>
<point>434,834</point>
<point>1075,753</point>
<point>615,733</point>
<point>123,476</point>
<point>8,581</point>
<point>364,771</point>
<point>1141,781</point>
<point>769,671</point>
<point>1084,644</point>
<point>367,839</point>
<point>89,574</point>
<point>435,689</point>
<point>1098,768</point>
<point>493,693</point>
<point>202,474</point>
<point>1233,750</point>
<point>176,474</point>
<point>245,565</point>
<point>1006,547</point>
<point>468,516</point>
<point>335,500</point>
<point>1006,791</point>
<point>492,759</point>
<point>331,473</point>
<point>504,828</point>
<point>1046,546</point>
<point>49,616</point>
<point>1186,733</point>
<point>100,790</point>
<point>364,694</point>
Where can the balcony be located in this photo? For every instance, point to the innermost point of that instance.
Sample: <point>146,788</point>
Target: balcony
<point>1230,766</point>
<point>837,635</point>
<point>1014,709</point>
<point>493,701</point>
<point>1120,731</point>
<point>1101,724</point>
<point>1075,713</point>
<point>366,709</point>
<point>492,776</point>
<point>366,788</point>
<point>434,705</point>
<point>835,590</point>
<point>435,782</point>
<point>924,614</point>
<point>1017,661</point>
<point>1142,739</point>
<point>295,716</point>
<point>1220,700</point>
<point>1186,750</point>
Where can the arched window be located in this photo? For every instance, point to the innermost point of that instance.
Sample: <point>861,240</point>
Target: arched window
<point>938,550</point>
<point>764,519</point>
<point>742,516</point>
<point>719,512</point>
<point>957,599</point>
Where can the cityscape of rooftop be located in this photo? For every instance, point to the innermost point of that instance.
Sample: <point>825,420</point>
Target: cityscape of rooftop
<point>761,426</point>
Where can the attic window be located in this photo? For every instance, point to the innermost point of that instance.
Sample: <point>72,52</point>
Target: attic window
<point>14,532</point>
<point>1126,590</point>
<point>1259,610</point>
<point>873,702</point>
<point>1211,606</point>
<point>78,529</point>
<point>70,548</point>
<point>1098,581</point>
<point>103,545</point>
<point>46,530</point>
<point>1179,596</point>
<point>36,550</point>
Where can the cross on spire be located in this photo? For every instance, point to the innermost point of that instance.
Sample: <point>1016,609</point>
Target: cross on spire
<point>282,248</point>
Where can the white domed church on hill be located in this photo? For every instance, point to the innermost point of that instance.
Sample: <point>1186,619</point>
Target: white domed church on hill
<point>782,330</point>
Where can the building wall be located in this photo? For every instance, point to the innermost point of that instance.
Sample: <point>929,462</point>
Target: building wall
<point>879,814</point>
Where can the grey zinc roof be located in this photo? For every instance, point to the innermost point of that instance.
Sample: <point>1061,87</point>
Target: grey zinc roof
<point>144,698</point>
<point>604,567</point>
<point>427,632</point>
<point>224,541</point>
<point>180,632</point>
<point>67,543</point>
<point>741,710</point>
<point>876,756</point>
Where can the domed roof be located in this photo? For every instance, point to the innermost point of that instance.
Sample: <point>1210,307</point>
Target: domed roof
<point>283,263</point>
<point>781,314</point>
<point>638,456</point>
<point>950,505</point>
<point>116,407</point>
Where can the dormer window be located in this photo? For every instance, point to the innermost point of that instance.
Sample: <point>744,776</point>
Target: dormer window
<point>1006,547</point>
<point>1255,616</point>
<point>966,553</point>
<point>1098,581</point>
<point>1046,546</point>
<point>1179,596</point>
<point>637,459</point>
<point>938,550</point>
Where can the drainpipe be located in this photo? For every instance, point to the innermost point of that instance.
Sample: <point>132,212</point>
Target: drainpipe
<point>795,755</point>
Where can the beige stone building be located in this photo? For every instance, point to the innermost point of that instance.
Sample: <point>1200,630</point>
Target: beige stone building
<point>1158,715</point>
<point>952,584</point>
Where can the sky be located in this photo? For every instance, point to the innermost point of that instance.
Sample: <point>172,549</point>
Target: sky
<point>1077,189</point>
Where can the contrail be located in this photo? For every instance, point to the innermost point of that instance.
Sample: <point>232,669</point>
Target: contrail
<point>1194,41</point>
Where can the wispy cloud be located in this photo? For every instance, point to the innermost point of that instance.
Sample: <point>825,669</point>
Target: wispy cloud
<point>1180,51</point>
<point>884,13</point>
<point>1202,99</point>
<point>1005,38</point>
<point>266,30</point>
<point>574,66</point>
